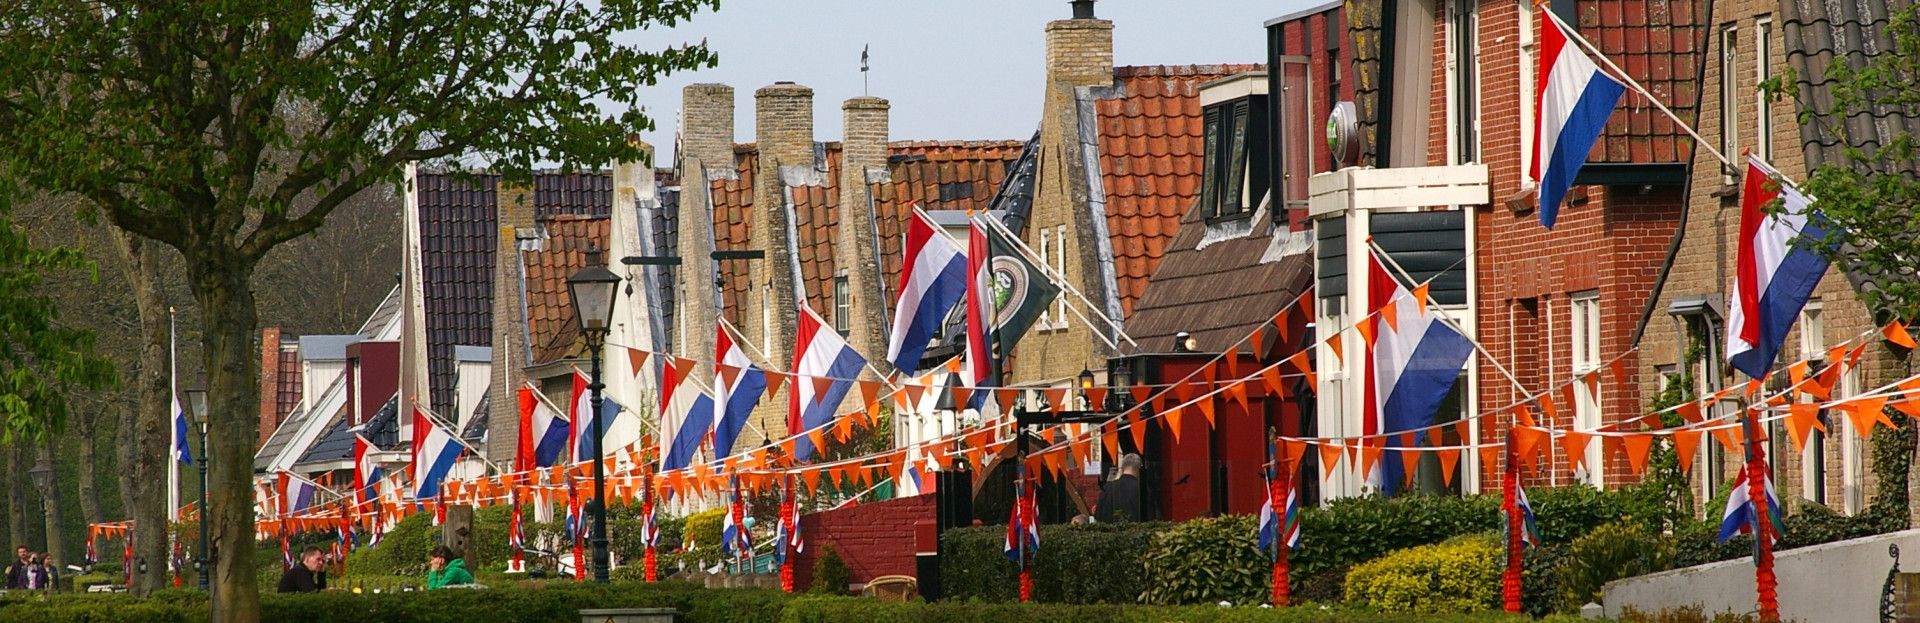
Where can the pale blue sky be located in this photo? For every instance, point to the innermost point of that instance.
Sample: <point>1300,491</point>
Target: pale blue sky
<point>952,70</point>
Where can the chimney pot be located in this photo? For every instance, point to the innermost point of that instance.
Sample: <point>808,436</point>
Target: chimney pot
<point>1082,9</point>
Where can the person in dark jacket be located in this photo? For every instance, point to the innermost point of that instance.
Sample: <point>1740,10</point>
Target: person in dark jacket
<point>1120,498</point>
<point>17,572</point>
<point>308,576</point>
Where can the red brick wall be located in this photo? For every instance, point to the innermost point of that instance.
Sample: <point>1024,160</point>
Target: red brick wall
<point>1307,36</point>
<point>269,383</point>
<point>874,539</point>
<point>1609,240</point>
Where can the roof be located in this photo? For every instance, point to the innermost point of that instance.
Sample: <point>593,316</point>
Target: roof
<point>1150,135</point>
<point>459,236</point>
<point>277,443</point>
<point>482,354</point>
<point>337,443</point>
<point>1660,45</point>
<point>551,330</point>
<point>1218,291</point>
<point>475,434</point>
<point>326,347</point>
<point>384,315</point>
<point>1819,32</point>
<point>936,175</point>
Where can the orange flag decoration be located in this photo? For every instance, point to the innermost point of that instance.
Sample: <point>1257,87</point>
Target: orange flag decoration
<point>1333,344</point>
<point>1686,445</point>
<point>1896,332</point>
<point>1637,447</point>
<point>1866,412</point>
<point>1574,443</point>
<point>1329,457</point>
<point>637,360</point>
<point>1802,418</point>
<point>1449,457</point>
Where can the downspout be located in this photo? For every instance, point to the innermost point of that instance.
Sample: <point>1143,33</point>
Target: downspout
<point>1383,106</point>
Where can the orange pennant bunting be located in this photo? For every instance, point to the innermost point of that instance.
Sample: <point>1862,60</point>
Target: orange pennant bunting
<point>1420,296</point>
<point>1686,445</point>
<point>1637,447</point>
<point>636,360</point>
<point>1333,344</point>
<point>1391,314</point>
<point>1802,418</point>
<point>1896,333</point>
<point>1574,444</point>
<point>1865,413</point>
<point>1449,459</point>
<point>1173,423</point>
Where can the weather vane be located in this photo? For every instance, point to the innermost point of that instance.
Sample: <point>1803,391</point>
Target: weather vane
<point>863,68</point>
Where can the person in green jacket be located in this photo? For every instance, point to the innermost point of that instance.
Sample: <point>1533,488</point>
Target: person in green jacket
<point>445,568</point>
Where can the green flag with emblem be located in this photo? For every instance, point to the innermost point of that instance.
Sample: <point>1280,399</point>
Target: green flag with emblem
<point>1021,292</point>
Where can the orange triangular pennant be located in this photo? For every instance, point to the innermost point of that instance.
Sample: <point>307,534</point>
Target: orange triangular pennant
<point>1137,430</point>
<point>1574,444</point>
<point>1686,445</point>
<point>1526,444</point>
<point>1390,313</point>
<point>1006,398</point>
<point>1173,423</point>
<point>636,360</point>
<point>962,396</point>
<point>774,379</point>
<point>1729,438</point>
<point>1910,405</point>
<point>1637,447</point>
<point>1366,329</point>
<point>1420,297</point>
<point>812,479</point>
<point>1259,344</point>
<point>1896,333</point>
<point>1449,459</point>
<point>869,392</point>
<point>1802,418</point>
<point>1329,457</point>
<point>1333,344</point>
<point>819,438</point>
<point>1300,362</point>
<point>1689,411</point>
<point>1370,450</point>
<point>1866,412</point>
<point>1206,409</point>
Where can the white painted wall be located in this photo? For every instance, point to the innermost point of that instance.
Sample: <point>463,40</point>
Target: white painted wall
<point>1837,582</point>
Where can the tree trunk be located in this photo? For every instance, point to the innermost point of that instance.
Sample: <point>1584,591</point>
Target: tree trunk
<point>126,410</point>
<point>50,506</point>
<point>16,494</point>
<point>148,441</point>
<point>221,286</point>
<point>88,491</point>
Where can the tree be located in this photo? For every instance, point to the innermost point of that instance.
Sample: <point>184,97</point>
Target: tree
<point>171,119</point>
<point>1872,195</point>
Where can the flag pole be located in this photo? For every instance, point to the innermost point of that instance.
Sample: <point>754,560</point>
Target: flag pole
<point>1622,74</point>
<point>1482,350</point>
<point>173,432</point>
<point>1059,280</point>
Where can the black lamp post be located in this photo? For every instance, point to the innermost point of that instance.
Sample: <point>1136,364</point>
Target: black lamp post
<point>593,289</point>
<point>197,409</point>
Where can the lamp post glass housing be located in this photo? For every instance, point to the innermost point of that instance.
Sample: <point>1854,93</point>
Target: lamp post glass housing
<point>592,289</point>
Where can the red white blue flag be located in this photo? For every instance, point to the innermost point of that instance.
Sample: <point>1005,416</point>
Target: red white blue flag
<point>824,368</point>
<point>1023,523</point>
<point>1574,100</point>
<point>435,450</point>
<point>1411,366</point>
<point>366,470</point>
<point>1776,268</point>
<point>738,385</point>
<point>543,433</point>
<point>933,278</point>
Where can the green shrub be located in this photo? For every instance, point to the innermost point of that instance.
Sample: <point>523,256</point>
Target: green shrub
<point>1540,579</point>
<point>1206,561</point>
<point>830,573</point>
<point>1456,576</point>
<point>973,564</point>
<point>1608,553</point>
<point>402,550</point>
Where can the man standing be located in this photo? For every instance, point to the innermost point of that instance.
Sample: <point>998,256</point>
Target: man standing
<point>17,572</point>
<point>307,577</point>
<point>1120,499</point>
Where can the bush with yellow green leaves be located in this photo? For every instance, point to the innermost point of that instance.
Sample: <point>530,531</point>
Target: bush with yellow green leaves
<point>1454,576</point>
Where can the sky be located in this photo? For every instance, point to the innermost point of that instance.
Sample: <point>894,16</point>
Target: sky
<point>968,69</point>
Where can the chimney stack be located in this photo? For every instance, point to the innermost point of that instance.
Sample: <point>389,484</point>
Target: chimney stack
<point>1079,50</point>
<point>706,153</point>
<point>783,130</point>
<point>513,207</point>
<point>863,162</point>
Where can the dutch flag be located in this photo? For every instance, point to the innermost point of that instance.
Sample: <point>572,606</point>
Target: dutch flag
<point>1023,523</point>
<point>296,494</point>
<point>685,417</point>
<point>980,314</point>
<point>584,419</point>
<point>1738,517</point>
<point>366,470</point>
<point>820,357</point>
<point>1411,366</point>
<point>434,452</point>
<point>932,281</point>
<point>737,388</point>
<point>1777,267</point>
<point>543,433</point>
<point>1574,100</point>
<point>734,538</point>
<point>180,451</point>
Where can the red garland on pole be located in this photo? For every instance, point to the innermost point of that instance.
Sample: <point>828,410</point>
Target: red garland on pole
<point>785,538</point>
<point>1765,584</point>
<point>652,533</point>
<point>1509,503</point>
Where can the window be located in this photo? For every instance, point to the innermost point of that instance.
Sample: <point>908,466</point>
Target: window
<point>1584,328</point>
<point>1235,170</point>
<point>1463,67</point>
<point>1813,331</point>
<point>766,318</point>
<point>1853,454</point>
<point>1813,460</point>
<point>1060,268</point>
<point>1046,258</point>
<point>1300,129</point>
<point>1729,96</point>
<point>842,306</point>
<point>1762,70</point>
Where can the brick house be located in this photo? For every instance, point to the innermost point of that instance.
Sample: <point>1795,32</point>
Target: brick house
<point>1750,41</point>
<point>1440,150</point>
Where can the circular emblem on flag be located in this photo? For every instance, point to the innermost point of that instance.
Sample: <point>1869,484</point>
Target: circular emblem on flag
<point>1010,288</point>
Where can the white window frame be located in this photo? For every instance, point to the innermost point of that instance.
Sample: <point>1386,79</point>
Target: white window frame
<point>1853,453</point>
<point>1046,252</point>
<point>1467,14</point>
<point>1813,456</point>
<point>1762,70</point>
<point>1583,322</point>
<point>842,304</point>
<point>1729,100</point>
<point>1060,268</point>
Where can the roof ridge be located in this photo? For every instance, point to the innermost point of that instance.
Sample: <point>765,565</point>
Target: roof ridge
<point>1138,71</point>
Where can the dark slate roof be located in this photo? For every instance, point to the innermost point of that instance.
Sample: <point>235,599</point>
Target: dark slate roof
<point>383,315</point>
<point>1218,291</point>
<point>1818,34</point>
<point>666,241</point>
<point>278,441</point>
<point>337,443</point>
<point>1014,198</point>
<point>475,433</point>
<point>459,233</point>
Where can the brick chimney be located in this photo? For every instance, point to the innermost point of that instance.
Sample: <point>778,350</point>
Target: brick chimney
<point>1080,50</point>
<point>269,383</point>
<point>705,153</point>
<point>863,161</point>
<point>783,129</point>
<point>513,207</point>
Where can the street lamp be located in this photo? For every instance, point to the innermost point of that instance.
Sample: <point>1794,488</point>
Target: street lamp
<point>197,409</point>
<point>593,289</point>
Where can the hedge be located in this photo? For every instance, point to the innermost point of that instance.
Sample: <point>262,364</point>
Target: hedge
<point>1459,575</point>
<point>561,603</point>
<point>1346,532</point>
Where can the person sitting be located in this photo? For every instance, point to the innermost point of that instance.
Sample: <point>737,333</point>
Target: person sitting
<point>445,568</point>
<point>307,576</point>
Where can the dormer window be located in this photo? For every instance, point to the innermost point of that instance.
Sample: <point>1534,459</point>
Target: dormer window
<point>1234,177</point>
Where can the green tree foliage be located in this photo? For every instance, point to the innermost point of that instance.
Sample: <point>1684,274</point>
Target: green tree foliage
<point>225,129</point>
<point>1873,193</point>
<point>41,361</point>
